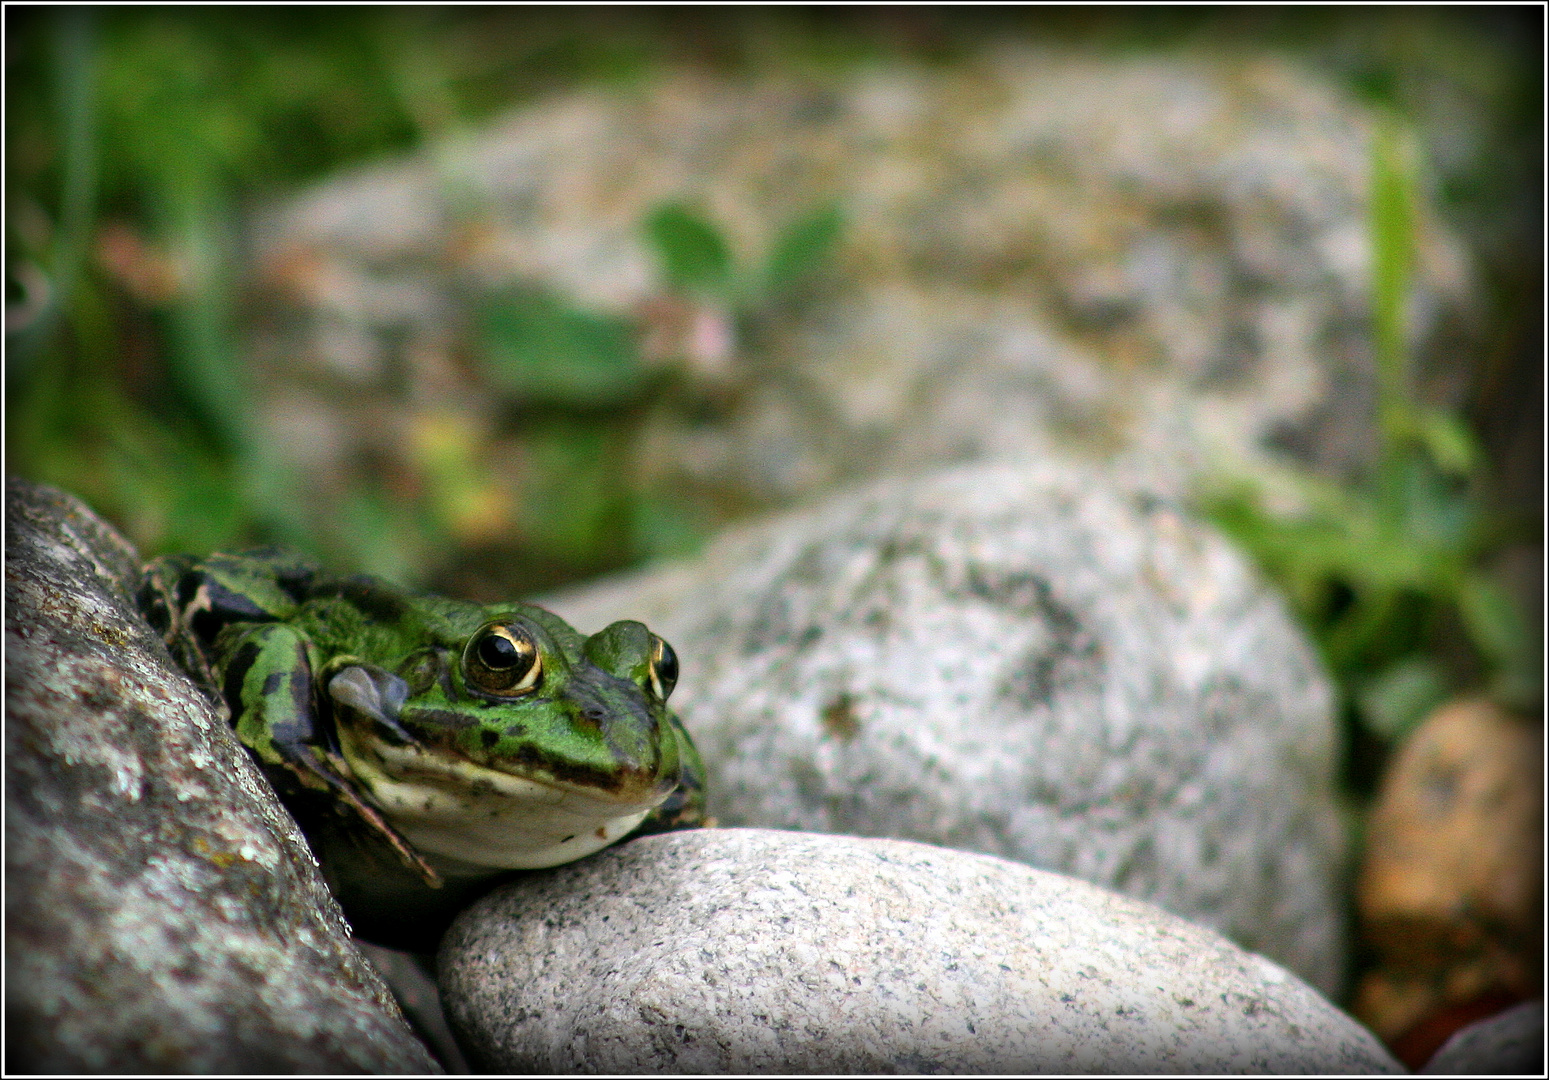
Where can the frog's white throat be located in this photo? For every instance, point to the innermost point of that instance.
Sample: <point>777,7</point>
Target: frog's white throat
<point>466,812</point>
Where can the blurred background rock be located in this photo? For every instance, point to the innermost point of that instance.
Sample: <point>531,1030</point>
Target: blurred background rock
<point>491,300</point>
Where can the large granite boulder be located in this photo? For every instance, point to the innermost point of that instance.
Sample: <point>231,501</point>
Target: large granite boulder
<point>163,913</point>
<point>1163,259</point>
<point>1050,664</point>
<point>754,951</point>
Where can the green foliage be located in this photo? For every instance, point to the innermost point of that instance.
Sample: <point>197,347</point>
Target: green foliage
<point>801,249</point>
<point>540,349</point>
<point>160,125</point>
<point>693,254</point>
<point>696,259</point>
<point>1511,648</point>
<point>1392,227</point>
<point>167,123</point>
<point>551,357</point>
<point>1385,573</point>
<point>166,120</point>
<point>1401,695</point>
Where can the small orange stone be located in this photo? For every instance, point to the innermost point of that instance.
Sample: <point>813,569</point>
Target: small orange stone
<point>1451,889</point>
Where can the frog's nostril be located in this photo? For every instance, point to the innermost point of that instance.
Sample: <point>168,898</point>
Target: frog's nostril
<point>595,715</point>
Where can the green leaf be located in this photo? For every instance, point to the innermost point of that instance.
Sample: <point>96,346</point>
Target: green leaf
<point>693,253</point>
<point>1501,633</point>
<point>1416,534</point>
<point>539,349</point>
<point>802,248</point>
<point>1392,233</point>
<point>1491,617</point>
<point>1451,445</point>
<point>1400,696</point>
<point>1428,511</point>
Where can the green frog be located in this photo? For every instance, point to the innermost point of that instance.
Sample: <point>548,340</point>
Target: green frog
<point>429,746</point>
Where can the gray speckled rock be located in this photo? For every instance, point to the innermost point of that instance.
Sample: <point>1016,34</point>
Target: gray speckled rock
<point>1040,663</point>
<point>163,913</point>
<point>1512,1042</point>
<point>743,950</point>
<point>1163,257</point>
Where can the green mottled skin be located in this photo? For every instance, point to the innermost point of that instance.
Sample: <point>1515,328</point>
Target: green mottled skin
<point>267,633</point>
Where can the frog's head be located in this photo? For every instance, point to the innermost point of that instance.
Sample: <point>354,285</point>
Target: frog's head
<point>517,743</point>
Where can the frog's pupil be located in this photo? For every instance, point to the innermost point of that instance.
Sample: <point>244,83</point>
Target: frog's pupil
<point>498,653</point>
<point>667,668</point>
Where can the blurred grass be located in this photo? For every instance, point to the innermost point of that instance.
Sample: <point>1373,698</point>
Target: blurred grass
<point>137,399</point>
<point>1391,572</point>
<point>138,138</point>
<point>137,141</point>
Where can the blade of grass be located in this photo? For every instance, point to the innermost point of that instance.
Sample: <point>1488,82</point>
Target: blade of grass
<point>1391,239</point>
<point>75,65</point>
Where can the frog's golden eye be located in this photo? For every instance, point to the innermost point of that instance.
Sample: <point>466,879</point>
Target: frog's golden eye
<point>502,659</point>
<point>664,669</point>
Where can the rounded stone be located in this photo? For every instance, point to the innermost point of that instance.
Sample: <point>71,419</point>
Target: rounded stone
<point>1455,839</point>
<point>1048,663</point>
<point>1510,1042</point>
<point>1450,892</point>
<point>750,950</point>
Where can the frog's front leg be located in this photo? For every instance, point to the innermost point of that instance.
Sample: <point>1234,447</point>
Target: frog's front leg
<point>265,671</point>
<point>158,601</point>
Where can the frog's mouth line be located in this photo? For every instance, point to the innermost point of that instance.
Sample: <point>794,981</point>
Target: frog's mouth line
<point>469,812</point>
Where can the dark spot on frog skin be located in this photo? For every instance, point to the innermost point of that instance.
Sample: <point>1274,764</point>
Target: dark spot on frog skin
<point>208,605</point>
<point>616,779</point>
<point>236,672</point>
<point>231,606</point>
<point>374,597</point>
<point>515,731</point>
<point>840,718</point>
<point>489,738</point>
<point>389,734</point>
<point>420,720</point>
<point>299,675</point>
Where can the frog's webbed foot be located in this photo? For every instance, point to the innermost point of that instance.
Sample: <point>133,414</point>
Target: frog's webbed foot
<point>268,680</point>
